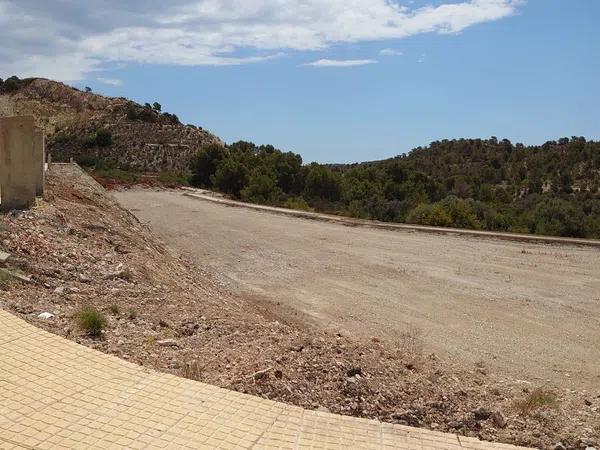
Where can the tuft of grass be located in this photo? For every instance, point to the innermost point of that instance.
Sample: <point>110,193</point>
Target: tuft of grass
<point>114,310</point>
<point>538,399</point>
<point>412,342</point>
<point>132,314</point>
<point>191,370</point>
<point>91,321</point>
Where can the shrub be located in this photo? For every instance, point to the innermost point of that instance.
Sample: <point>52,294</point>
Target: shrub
<point>262,188</point>
<point>114,309</point>
<point>91,321</point>
<point>173,178</point>
<point>538,399</point>
<point>297,203</point>
<point>103,138</point>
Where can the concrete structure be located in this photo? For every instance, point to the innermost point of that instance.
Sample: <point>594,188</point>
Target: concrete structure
<point>39,157</point>
<point>21,162</point>
<point>58,394</point>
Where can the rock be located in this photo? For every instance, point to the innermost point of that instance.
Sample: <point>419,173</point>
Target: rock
<point>588,403</point>
<point>499,419</point>
<point>4,257</point>
<point>59,290</point>
<point>46,316</point>
<point>354,371</point>
<point>323,409</point>
<point>560,446</point>
<point>168,343</point>
<point>482,414</point>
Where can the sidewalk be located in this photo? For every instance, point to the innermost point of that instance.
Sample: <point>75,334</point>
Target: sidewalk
<point>58,394</point>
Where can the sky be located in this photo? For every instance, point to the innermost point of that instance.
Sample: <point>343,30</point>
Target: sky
<point>333,80</point>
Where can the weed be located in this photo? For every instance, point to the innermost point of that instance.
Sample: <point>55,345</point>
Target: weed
<point>91,321</point>
<point>114,310</point>
<point>538,399</point>
<point>412,342</point>
<point>132,314</point>
<point>191,370</point>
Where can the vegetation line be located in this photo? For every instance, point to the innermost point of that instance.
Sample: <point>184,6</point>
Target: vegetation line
<point>347,221</point>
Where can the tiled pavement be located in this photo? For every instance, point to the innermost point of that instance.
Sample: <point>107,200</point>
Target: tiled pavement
<point>55,393</point>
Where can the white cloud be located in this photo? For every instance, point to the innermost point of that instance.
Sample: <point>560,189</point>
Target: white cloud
<point>66,40</point>
<point>340,62</point>
<point>111,81</point>
<point>390,52</point>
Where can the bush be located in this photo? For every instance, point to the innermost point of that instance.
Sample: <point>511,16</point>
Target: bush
<point>297,203</point>
<point>262,188</point>
<point>433,215</point>
<point>538,399</point>
<point>91,321</point>
<point>173,178</point>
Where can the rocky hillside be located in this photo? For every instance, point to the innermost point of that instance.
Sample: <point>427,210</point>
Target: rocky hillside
<point>92,128</point>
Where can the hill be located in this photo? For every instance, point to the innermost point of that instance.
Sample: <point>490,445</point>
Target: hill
<point>552,189</point>
<point>488,184</point>
<point>93,128</point>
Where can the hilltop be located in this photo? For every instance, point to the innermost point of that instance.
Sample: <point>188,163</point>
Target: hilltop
<point>92,128</point>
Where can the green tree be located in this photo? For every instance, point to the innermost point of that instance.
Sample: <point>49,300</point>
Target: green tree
<point>322,183</point>
<point>204,165</point>
<point>231,176</point>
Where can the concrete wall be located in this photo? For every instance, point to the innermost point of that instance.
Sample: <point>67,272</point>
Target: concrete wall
<point>21,162</point>
<point>39,155</point>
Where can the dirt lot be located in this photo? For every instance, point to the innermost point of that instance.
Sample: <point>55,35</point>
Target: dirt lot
<point>530,311</point>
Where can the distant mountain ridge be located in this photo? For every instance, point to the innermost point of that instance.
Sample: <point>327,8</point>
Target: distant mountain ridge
<point>90,127</point>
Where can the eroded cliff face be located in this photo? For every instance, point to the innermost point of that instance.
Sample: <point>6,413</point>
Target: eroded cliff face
<point>142,139</point>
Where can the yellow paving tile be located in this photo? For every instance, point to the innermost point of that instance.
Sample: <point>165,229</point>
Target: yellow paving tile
<point>58,394</point>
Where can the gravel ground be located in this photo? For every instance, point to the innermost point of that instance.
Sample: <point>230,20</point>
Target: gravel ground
<point>528,310</point>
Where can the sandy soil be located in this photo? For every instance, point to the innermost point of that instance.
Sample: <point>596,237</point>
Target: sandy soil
<point>526,310</point>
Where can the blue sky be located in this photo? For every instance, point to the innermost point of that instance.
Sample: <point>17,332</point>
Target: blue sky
<point>344,85</point>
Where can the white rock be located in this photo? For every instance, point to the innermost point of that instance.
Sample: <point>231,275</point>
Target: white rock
<point>46,316</point>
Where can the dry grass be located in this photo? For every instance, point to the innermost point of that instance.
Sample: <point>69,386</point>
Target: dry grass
<point>191,370</point>
<point>538,399</point>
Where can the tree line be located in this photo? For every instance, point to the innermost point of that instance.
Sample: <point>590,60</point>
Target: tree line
<point>491,184</point>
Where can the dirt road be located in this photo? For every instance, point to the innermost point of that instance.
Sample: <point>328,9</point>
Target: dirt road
<point>528,310</point>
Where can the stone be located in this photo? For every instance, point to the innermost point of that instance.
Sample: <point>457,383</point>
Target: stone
<point>560,446</point>
<point>482,414</point>
<point>354,371</point>
<point>4,257</point>
<point>168,343</point>
<point>499,419</point>
<point>46,316</point>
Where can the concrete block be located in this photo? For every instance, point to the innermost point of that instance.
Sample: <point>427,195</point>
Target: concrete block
<point>39,155</point>
<point>18,167</point>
